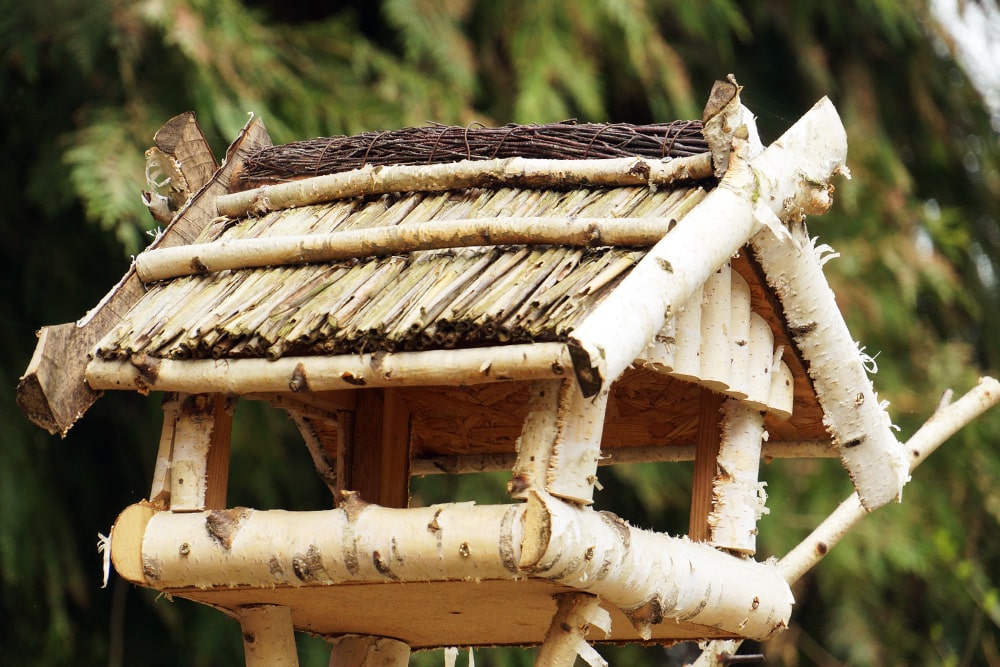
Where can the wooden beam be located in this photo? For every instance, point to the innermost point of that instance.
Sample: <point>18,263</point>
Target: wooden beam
<point>53,392</point>
<point>268,636</point>
<point>373,458</point>
<point>705,464</point>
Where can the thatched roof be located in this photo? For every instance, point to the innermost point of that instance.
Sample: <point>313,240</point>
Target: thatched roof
<point>409,301</point>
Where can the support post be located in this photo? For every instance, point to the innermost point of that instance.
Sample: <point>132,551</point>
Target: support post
<point>199,465</point>
<point>560,444</point>
<point>373,457</point>
<point>268,636</point>
<point>567,634</point>
<point>705,465</point>
<point>367,651</point>
<point>738,495</point>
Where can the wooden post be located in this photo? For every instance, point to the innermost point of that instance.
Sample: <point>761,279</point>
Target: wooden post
<point>705,464</point>
<point>373,457</point>
<point>268,636</point>
<point>159,493</point>
<point>199,466</point>
<point>560,443</point>
<point>367,651</point>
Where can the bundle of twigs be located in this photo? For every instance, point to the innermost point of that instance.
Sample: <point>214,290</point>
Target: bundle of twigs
<point>442,143</point>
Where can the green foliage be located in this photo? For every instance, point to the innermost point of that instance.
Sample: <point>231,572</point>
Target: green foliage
<point>85,84</point>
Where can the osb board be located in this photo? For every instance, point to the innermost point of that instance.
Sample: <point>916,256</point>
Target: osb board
<point>646,408</point>
<point>434,614</point>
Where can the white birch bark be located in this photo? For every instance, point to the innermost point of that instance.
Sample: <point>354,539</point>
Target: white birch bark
<point>366,651</point>
<point>268,636</point>
<point>739,348</point>
<point>189,461</point>
<point>560,444</point>
<point>349,371</point>
<point>652,577</point>
<point>738,495</point>
<point>781,399</point>
<point>166,263</point>
<point>784,182</point>
<point>716,338</point>
<point>517,172</point>
<point>687,338</point>
<point>566,637</point>
<point>860,426</point>
<point>356,542</point>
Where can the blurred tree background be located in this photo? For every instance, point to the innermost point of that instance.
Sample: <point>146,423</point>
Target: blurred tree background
<point>84,84</point>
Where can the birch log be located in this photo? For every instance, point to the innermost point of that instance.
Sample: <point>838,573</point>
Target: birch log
<point>566,637</point>
<point>738,494</point>
<point>652,577</point>
<point>366,651</point>
<point>560,445</point>
<point>511,172</point>
<point>349,371</point>
<point>201,258</point>
<point>860,426</point>
<point>784,182</point>
<point>268,636</point>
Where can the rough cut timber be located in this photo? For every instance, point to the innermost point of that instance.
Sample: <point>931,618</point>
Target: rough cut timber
<point>53,393</point>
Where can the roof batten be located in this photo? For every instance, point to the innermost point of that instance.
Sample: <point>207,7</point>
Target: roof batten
<point>520,172</point>
<point>204,258</point>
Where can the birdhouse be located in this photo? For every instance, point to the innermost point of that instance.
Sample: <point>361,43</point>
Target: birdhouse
<point>544,299</point>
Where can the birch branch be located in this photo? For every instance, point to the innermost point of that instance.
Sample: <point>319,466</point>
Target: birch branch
<point>510,172</point>
<point>201,258</point>
<point>943,424</point>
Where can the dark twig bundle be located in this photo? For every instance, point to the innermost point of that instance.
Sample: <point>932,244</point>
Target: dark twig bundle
<point>442,143</point>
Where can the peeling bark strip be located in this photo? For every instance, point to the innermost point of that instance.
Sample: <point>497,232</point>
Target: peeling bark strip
<point>510,172</point>
<point>367,651</point>
<point>401,369</point>
<point>779,184</point>
<point>859,425</point>
<point>203,258</point>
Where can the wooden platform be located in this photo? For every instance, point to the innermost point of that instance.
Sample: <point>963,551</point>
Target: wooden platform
<point>434,614</point>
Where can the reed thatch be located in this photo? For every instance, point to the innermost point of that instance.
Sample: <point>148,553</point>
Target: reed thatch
<point>483,295</point>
